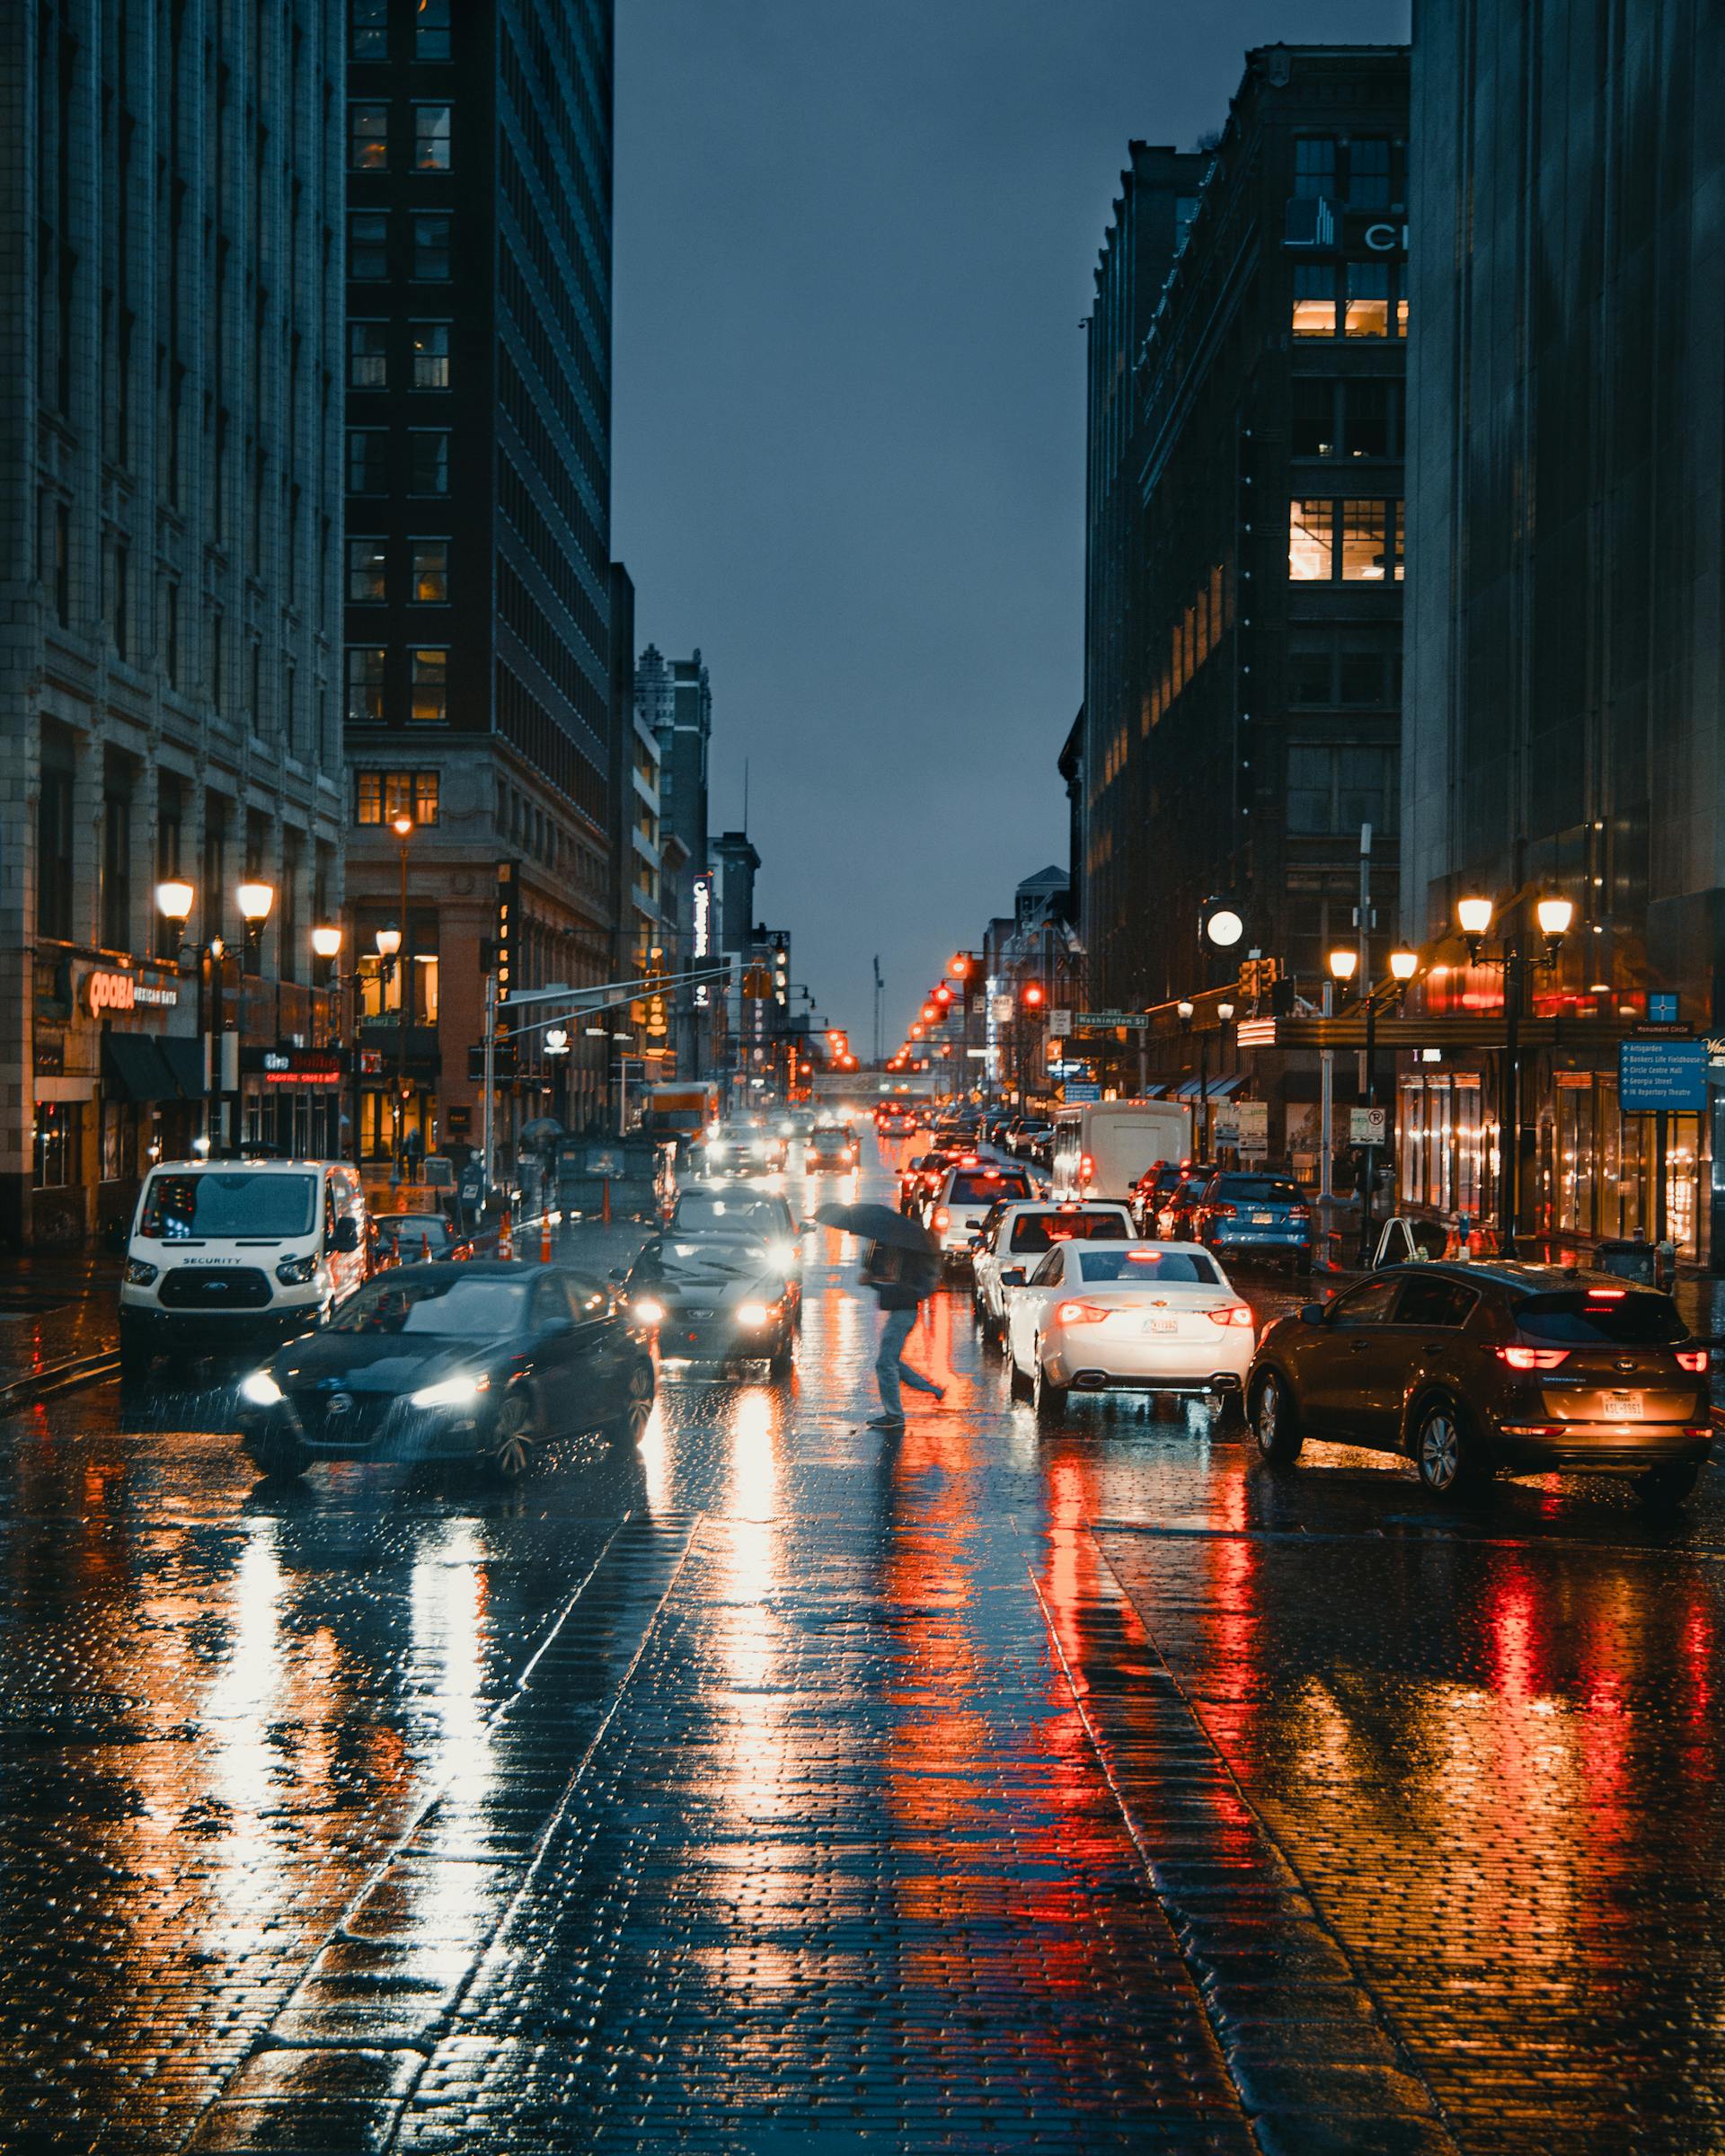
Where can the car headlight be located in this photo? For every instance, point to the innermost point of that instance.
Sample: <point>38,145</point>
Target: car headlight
<point>260,1389</point>
<point>716,1148</point>
<point>781,1253</point>
<point>646,1312</point>
<point>458,1391</point>
<point>753,1313</point>
<point>294,1272</point>
<point>759,1147</point>
<point>140,1272</point>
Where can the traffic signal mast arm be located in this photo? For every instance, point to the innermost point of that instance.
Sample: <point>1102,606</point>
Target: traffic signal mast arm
<point>609,995</point>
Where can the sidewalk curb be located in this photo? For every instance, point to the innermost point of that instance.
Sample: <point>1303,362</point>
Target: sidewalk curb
<point>58,1377</point>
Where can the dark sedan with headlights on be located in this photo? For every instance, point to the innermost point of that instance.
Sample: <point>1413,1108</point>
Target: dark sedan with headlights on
<point>1470,1369</point>
<point>714,1299</point>
<point>481,1362</point>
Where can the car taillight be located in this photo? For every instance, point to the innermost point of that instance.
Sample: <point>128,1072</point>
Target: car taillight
<point>940,1216</point>
<point>1299,1213</point>
<point>1079,1313</point>
<point>1222,1212</point>
<point>1230,1313</point>
<point>1533,1358</point>
<point>1692,1358</point>
<point>1086,1166</point>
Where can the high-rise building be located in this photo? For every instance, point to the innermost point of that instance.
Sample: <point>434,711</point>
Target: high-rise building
<point>1567,582</point>
<point>1242,710</point>
<point>478,673</point>
<point>674,697</point>
<point>171,344</point>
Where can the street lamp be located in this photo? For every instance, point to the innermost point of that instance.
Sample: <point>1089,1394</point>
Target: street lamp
<point>1554,916</point>
<point>1403,966</point>
<point>174,899</point>
<point>1344,963</point>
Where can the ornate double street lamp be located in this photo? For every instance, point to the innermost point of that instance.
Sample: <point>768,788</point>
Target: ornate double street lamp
<point>1474,916</point>
<point>174,899</point>
<point>1344,964</point>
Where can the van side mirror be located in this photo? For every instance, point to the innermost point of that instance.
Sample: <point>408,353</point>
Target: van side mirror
<point>347,1234</point>
<point>1011,1276</point>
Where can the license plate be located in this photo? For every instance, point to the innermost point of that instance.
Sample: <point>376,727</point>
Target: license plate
<point>1624,1406</point>
<point>1161,1325</point>
<point>1263,1220</point>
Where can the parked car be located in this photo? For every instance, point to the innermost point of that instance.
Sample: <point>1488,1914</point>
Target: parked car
<point>482,1362</point>
<point>1177,1220</point>
<point>1468,1369</point>
<point>954,1212</point>
<point>227,1255</point>
<point>714,1299</point>
<point>407,1238</point>
<point>1259,1215</point>
<point>1147,1317</point>
<point>1016,1236</point>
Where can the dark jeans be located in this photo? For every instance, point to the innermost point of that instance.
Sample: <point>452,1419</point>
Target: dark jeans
<point>890,1367</point>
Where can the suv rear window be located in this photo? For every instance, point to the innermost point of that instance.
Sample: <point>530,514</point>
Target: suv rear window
<point>1042,1231</point>
<point>1627,1318</point>
<point>985,1190</point>
<point>1260,1190</point>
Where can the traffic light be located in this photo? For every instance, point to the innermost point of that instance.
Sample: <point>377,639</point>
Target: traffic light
<point>1034,996</point>
<point>943,995</point>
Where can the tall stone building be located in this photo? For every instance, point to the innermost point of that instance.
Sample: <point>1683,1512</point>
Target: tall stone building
<point>478,678</point>
<point>169,365</point>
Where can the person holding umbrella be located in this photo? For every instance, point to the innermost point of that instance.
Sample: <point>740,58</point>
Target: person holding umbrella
<point>903,1267</point>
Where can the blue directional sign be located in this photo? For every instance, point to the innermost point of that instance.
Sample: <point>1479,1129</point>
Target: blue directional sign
<point>1662,1006</point>
<point>1655,1076</point>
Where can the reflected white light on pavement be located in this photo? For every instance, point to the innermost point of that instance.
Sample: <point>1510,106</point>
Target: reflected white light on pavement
<point>656,1462</point>
<point>448,1606</point>
<point>243,1706</point>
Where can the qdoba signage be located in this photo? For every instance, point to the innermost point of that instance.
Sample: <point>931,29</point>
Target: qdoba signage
<point>105,991</point>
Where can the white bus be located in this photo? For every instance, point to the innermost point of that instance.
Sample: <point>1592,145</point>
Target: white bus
<point>1102,1147</point>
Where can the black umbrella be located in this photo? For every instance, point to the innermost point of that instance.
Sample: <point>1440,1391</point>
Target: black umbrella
<point>542,1126</point>
<point>880,1223</point>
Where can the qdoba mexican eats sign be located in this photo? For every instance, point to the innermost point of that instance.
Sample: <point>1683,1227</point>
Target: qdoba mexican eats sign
<point>105,991</point>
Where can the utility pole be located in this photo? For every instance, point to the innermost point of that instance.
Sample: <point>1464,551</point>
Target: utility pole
<point>489,1075</point>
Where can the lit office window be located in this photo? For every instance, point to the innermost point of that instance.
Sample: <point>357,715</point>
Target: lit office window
<point>1365,542</point>
<point>1368,299</point>
<point>1311,541</point>
<point>367,355</point>
<point>430,584</point>
<point>368,565</point>
<point>431,671</point>
<point>431,355</point>
<point>1315,300</point>
<point>367,137</point>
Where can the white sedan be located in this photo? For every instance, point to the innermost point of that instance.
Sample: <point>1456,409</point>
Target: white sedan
<point>1143,1316</point>
<point>1014,1237</point>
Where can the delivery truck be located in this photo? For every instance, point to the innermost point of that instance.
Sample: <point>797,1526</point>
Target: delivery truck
<point>1102,1147</point>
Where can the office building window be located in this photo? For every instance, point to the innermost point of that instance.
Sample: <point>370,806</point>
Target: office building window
<point>1311,541</point>
<point>171,632</point>
<point>54,855</point>
<point>367,245</point>
<point>1368,172</point>
<point>431,30</point>
<point>367,568</point>
<point>381,796</point>
<point>365,683</point>
<point>1362,678</point>
<point>428,465</point>
<point>368,460</point>
<point>431,355</point>
<point>1338,786</point>
<point>55,1142</point>
<point>1314,165</point>
<point>1309,676</point>
<point>429,585</point>
<point>367,137</point>
<point>368,29</point>
<point>1312,418</point>
<point>1365,542</point>
<point>1315,300</point>
<point>431,671</point>
<point>367,355</point>
<point>1368,299</point>
<point>117,861</point>
<point>122,616</point>
<point>432,139</point>
<point>431,250</point>
<point>1367,407</point>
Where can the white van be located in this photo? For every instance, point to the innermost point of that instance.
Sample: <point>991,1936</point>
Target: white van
<point>1103,1147</point>
<point>232,1253</point>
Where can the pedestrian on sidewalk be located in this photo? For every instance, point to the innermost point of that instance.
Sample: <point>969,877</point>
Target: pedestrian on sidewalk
<point>413,1153</point>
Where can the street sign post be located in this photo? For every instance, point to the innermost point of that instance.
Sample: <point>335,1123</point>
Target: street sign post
<point>1251,1118</point>
<point>1367,1126</point>
<point>1103,1021</point>
<point>1661,1076</point>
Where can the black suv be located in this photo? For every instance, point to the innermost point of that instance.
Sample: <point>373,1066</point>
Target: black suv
<point>1472,1368</point>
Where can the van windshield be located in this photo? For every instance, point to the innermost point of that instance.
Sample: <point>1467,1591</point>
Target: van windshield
<point>227,1202</point>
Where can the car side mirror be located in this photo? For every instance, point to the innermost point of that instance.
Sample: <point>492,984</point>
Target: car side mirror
<point>1312,1313</point>
<point>347,1234</point>
<point>1012,1276</point>
<point>618,1272</point>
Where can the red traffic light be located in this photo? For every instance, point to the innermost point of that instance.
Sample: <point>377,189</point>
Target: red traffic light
<point>942,995</point>
<point>1032,995</point>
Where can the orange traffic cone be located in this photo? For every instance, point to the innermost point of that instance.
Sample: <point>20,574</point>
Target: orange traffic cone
<point>545,1239</point>
<point>506,1237</point>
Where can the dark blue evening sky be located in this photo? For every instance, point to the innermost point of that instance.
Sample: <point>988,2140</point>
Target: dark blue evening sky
<point>854,240</point>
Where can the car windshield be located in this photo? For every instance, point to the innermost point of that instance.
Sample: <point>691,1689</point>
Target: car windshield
<point>697,1214</point>
<point>698,1259</point>
<point>1610,1317</point>
<point>828,1136</point>
<point>468,1306</point>
<point>415,1227</point>
<point>221,1201</point>
<point>1042,1231</point>
<point>1150,1268</point>
<point>1261,1190</point>
<point>983,1189</point>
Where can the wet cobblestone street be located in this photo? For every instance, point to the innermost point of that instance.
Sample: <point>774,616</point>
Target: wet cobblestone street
<point>783,1785</point>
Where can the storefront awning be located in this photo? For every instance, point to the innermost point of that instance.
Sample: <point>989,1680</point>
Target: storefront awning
<point>132,1069</point>
<point>140,1068</point>
<point>1218,1089</point>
